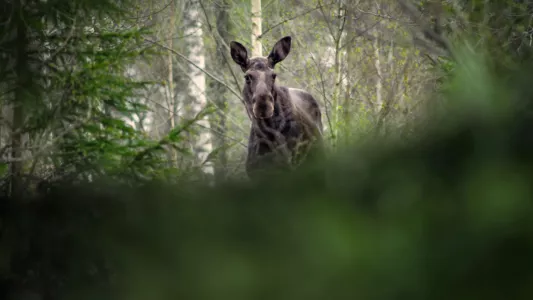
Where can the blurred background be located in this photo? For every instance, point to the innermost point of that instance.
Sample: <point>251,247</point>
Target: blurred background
<point>123,140</point>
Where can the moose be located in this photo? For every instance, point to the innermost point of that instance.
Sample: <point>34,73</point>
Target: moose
<point>286,126</point>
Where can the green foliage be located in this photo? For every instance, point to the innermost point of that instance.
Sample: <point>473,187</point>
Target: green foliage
<point>501,27</point>
<point>439,208</point>
<point>447,215</point>
<point>80,116</point>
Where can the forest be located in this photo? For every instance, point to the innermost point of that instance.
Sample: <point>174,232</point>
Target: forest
<point>130,136</point>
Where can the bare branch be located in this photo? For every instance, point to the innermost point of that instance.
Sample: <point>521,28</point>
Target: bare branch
<point>197,67</point>
<point>320,6</point>
<point>425,28</point>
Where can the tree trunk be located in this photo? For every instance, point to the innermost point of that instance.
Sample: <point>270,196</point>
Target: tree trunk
<point>257,48</point>
<point>158,95</point>
<point>218,91</point>
<point>21,96</point>
<point>173,155</point>
<point>337,90</point>
<point>197,85</point>
<point>378,104</point>
<point>351,83</point>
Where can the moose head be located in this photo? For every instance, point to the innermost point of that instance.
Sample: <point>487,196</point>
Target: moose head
<point>260,79</point>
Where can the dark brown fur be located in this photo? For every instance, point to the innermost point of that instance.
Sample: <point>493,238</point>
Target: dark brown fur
<point>286,122</point>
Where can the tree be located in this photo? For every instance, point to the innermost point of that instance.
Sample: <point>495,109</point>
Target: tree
<point>73,102</point>
<point>217,90</point>
<point>257,48</point>
<point>202,144</point>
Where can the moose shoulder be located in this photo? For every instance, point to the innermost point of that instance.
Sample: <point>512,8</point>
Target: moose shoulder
<point>286,122</point>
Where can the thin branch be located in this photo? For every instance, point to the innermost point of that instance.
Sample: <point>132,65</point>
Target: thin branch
<point>152,13</point>
<point>199,125</point>
<point>182,68</point>
<point>428,33</point>
<point>197,67</point>
<point>219,40</point>
<point>320,6</point>
<point>326,100</point>
<point>44,148</point>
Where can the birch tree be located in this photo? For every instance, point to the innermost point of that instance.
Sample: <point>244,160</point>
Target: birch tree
<point>202,144</point>
<point>257,49</point>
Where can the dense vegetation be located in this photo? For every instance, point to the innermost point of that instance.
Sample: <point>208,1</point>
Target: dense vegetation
<point>122,152</point>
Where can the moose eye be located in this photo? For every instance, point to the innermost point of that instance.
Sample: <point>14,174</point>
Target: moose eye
<point>247,78</point>
<point>274,76</point>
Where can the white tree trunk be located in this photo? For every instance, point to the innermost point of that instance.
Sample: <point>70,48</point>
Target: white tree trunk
<point>197,85</point>
<point>257,49</point>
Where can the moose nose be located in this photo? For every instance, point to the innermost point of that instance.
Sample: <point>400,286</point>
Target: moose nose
<point>263,106</point>
<point>262,99</point>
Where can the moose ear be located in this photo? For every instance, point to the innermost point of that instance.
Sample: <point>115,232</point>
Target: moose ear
<point>239,54</point>
<point>280,50</point>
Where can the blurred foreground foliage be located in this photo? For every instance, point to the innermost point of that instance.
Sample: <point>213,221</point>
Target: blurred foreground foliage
<point>446,215</point>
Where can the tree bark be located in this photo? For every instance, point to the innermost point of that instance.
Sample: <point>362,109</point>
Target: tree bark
<point>337,90</point>
<point>219,93</point>
<point>197,85</point>
<point>21,97</point>
<point>257,48</point>
<point>377,64</point>
<point>171,99</point>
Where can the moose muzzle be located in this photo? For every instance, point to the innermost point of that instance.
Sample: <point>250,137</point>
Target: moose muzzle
<point>263,106</point>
